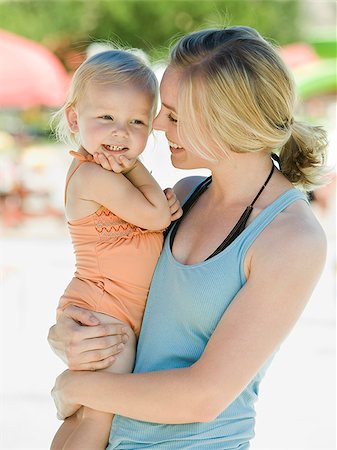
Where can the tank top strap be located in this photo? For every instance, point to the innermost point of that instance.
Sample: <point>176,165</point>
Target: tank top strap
<point>270,212</point>
<point>80,160</point>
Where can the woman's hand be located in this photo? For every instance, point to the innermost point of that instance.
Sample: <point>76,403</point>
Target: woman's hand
<point>82,342</point>
<point>173,203</point>
<point>61,394</point>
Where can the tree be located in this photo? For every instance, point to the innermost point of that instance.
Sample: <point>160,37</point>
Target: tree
<point>69,26</point>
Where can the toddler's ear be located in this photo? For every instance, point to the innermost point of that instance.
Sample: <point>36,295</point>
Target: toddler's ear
<point>71,115</point>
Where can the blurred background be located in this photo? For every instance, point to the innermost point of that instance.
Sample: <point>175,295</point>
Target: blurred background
<point>41,44</point>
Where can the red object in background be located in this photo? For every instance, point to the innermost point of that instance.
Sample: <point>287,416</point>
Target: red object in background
<point>30,74</point>
<point>298,54</point>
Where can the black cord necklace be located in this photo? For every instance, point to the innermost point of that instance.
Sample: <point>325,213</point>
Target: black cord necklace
<point>241,223</point>
<point>238,227</point>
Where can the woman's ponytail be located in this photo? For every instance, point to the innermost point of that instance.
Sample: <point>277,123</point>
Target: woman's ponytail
<point>303,156</point>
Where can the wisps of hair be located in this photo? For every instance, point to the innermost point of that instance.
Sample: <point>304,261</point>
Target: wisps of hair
<point>237,94</point>
<point>115,66</point>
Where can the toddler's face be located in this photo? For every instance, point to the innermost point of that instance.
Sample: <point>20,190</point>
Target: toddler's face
<point>112,119</point>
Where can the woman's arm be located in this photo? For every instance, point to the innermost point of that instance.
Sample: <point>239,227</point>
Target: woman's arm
<point>257,321</point>
<point>185,186</point>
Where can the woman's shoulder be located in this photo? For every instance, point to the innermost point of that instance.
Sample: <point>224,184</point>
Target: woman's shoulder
<point>305,229</point>
<point>184,186</point>
<point>288,257</point>
<point>298,220</point>
<point>295,234</point>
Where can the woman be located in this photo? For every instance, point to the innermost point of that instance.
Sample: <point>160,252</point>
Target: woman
<point>235,272</point>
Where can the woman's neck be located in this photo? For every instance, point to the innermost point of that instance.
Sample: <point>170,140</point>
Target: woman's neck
<point>237,180</point>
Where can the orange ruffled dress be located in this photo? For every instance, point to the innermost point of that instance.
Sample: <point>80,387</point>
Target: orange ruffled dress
<point>115,261</point>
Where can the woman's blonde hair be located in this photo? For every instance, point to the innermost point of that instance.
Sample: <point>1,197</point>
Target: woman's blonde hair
<point>236,89</point>
<point>108,67</point>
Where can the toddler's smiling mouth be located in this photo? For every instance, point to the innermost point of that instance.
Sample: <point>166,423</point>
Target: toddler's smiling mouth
<point>114,148</point>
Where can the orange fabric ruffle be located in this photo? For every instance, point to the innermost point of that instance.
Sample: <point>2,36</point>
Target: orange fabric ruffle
<point>81,157</point>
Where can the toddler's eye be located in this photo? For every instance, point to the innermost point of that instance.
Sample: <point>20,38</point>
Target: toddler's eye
<point>137,122</point>
<point>107,117</point>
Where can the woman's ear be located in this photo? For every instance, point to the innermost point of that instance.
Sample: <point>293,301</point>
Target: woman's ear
<point>71,115</point>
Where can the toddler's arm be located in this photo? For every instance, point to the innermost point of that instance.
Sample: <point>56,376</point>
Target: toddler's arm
<point>134,195</point>
<point>124,165</point>
<point>140,177</point>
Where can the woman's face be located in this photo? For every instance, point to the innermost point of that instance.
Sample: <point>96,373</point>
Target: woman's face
<point>167,120</point>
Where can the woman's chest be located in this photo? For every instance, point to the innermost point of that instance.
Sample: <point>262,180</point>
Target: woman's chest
<point>186,304</point>
<point>202,231</point>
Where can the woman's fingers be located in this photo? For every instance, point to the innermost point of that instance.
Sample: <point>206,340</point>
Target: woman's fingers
<point>78,345</point>
<point>100,355</point>
<point>95,343</point>
<point>81,315</point>
<point>106,331</point>
<point>97,365</point>
<point>105,342</point>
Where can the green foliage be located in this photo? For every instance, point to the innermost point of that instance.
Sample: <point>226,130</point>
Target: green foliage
<point>149,25</point>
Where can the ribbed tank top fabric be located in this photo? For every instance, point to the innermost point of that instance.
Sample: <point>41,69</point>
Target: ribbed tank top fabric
<point>184,306</point>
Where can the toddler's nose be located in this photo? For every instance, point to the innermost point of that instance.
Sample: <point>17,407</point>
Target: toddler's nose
<point>119,130</point>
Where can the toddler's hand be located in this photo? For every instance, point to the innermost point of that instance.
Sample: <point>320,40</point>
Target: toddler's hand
<point>118,164</point>
<point>173,203</point>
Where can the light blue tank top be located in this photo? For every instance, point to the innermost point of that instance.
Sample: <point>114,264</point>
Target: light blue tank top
<point>184,306</point>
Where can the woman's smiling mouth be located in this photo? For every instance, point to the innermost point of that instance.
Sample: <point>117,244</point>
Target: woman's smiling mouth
<point>173,145</point>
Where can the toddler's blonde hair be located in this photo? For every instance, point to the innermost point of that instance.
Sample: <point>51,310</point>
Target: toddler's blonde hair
<point>108,67</point>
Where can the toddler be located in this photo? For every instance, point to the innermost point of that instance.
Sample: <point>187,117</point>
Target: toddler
<point>115,218</point>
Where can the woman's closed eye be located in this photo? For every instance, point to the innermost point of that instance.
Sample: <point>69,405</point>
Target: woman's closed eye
<point>171,118</point>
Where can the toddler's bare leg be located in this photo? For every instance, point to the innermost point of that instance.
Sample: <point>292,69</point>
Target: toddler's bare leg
<point>65,430</point>
<point>90,429</point>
